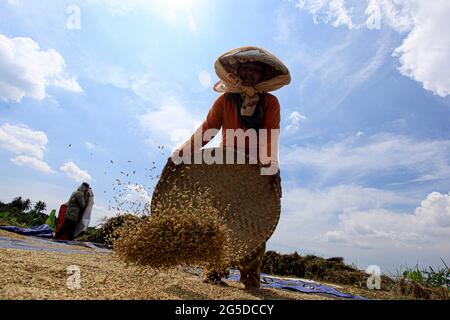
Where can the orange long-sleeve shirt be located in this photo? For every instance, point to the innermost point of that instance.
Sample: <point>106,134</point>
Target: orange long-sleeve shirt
<point>224,114</point>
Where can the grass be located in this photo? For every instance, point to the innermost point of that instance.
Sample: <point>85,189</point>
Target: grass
<point>431,283</point>
<point>433,277</point>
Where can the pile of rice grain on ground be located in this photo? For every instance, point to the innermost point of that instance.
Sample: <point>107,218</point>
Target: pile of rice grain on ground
<point>108,231</point>
<point>193,235</point>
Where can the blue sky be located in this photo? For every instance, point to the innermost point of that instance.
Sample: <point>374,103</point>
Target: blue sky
<point>365,145</point>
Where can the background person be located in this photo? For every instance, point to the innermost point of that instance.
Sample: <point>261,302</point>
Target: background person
<point>75,208</point>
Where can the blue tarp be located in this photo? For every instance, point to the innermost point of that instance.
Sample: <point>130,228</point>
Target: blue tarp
<point>292,284</point>
<point>297,285</point>
<point>40,239</point>
<point>37,231</point>
<point>45,244</point>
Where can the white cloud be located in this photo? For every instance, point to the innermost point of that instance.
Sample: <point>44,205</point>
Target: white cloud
<point>333,11</point>
<point>69,84</point>
<point>151,89</point>
<point>365,225</point>
<point>99,213</point>
<point>308,214</point>
<point>284,30</point>
<point>396,14</point>
<point>205,78</point>
<point>193,24</point>
<point>75,173</point>
<point>90,145</point>
<point>295,120</point>
<point>26,70</point>
<point>317,206</point>
<point>171,124</point>
<point>30,144</point>
<point>357,14</point>
<point>174,13</point>
<point>14,2</point>
<point>168,122</point>
<point>136,193</point>
<point>335,236</point>
<point>112,75</point>
<point>429,223</point>
<point>33,163</point>
<point>425,52</point>
<point>22,140</point>
<point>335,70</point>
<point>142,84</point>
<point>338,11</point>
<point>427,160</point>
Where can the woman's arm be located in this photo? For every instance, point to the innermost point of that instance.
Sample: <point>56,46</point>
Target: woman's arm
<point>269,146</point>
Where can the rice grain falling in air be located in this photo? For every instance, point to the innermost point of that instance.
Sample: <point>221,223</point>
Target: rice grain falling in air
<point>193,235</point>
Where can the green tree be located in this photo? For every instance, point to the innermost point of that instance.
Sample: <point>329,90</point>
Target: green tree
<point>40,207</point>
<point>20,204</point>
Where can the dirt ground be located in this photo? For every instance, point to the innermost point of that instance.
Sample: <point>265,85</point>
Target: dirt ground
<point>27,274</point>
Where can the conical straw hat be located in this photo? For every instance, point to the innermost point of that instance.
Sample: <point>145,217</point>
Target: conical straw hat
<point>245,198</point>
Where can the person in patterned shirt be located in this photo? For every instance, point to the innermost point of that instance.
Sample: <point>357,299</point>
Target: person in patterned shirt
<point>75,208</point>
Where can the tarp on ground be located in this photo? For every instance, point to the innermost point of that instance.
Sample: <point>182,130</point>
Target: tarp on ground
<point>38,231</point>
<point>34,243</point>
<point>296,285</point>
<point>292,284</point>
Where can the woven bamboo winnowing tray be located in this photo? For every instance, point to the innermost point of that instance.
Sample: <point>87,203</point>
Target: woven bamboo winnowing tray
<point>245,198</point>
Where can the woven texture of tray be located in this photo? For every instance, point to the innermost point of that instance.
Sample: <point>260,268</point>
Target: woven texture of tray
<point>246,199</point>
